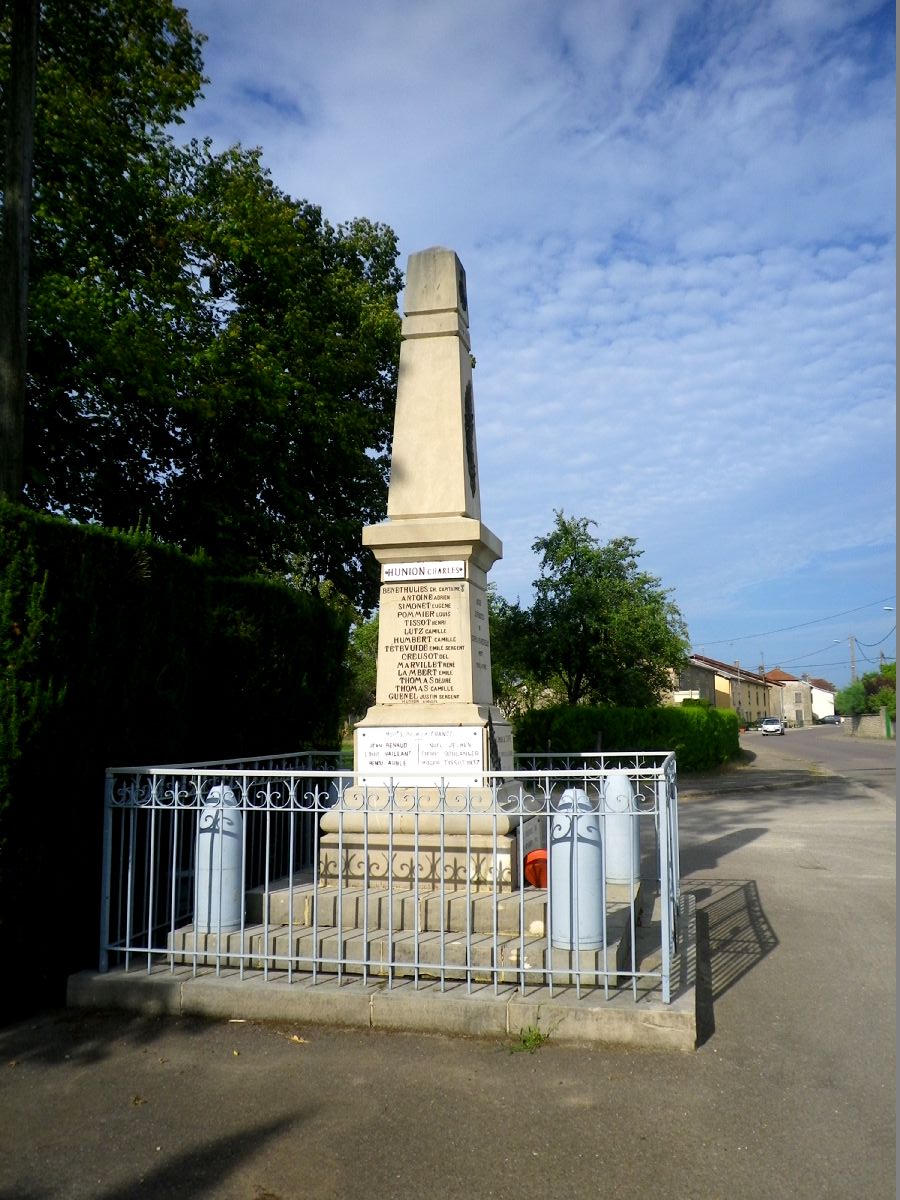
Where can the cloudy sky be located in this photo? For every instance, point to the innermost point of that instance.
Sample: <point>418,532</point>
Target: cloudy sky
<point>677,223</point>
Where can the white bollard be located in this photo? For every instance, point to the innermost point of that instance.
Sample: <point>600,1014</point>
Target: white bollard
<point>622,830</point>
<point>577,892</point>
<point>219,895</point>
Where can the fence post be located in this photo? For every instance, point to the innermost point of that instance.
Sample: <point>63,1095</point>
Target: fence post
<point>106,876</point>
<point>577,889</point>
<point>219,892</point>
<point>622,830</point>
<point>665,884</point>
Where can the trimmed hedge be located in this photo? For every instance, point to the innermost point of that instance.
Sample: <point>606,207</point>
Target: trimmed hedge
<point>701,738</point>
<point>117,650</point>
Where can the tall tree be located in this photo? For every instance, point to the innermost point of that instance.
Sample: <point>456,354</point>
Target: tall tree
<point>18,146</point>
<point>287,455</point>
<point>209,357</point>
<point>111,78</point>
<point>361,669</point>
<point>517,687</point>
<point>876,690</point>
<point>602,630</point>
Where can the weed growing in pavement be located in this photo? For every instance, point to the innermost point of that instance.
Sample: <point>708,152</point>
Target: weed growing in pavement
<point>531,1037</point>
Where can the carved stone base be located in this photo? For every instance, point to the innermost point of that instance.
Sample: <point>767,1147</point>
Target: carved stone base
<point>482,862</point>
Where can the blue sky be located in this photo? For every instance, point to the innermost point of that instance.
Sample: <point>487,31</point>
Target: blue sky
<point>677,224</point>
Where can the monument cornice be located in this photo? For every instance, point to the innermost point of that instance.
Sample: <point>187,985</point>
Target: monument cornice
<point>433,538</point>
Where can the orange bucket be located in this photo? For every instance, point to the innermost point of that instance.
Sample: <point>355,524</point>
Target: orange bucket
<point>536,868</point>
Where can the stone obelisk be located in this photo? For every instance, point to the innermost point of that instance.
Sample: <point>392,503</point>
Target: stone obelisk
<point>434,656</point>
<point>433,726</point>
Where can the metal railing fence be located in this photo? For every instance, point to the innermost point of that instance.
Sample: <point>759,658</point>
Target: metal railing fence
<point>565,874</point>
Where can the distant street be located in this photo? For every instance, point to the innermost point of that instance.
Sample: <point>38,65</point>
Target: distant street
<point>873,763</point>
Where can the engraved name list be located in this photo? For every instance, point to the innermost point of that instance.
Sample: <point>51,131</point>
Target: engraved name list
<point>424,648</point>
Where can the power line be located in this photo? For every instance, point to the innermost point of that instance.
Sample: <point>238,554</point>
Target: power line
<point>819,666</point>
<point>872,645</point>
<point>812,653</point>
<point>745,637</point>
<point>794,662</point>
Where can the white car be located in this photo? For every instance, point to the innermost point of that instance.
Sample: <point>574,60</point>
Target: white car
<point>772,725</point>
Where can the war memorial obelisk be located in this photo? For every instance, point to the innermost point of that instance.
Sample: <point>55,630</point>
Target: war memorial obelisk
<point>434,725</point>
<point>434,657</point>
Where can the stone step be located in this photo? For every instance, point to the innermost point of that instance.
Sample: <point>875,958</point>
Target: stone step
<point>406,952</point>
<point>407,909</point>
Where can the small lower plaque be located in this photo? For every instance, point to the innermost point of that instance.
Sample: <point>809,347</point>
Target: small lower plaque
<point>421,755</point>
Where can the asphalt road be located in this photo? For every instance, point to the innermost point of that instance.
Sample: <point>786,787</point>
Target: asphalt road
<point>790,1094</point>
<point>873,763</point>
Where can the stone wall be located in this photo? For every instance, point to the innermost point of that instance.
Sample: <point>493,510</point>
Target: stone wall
<point>869,725</point>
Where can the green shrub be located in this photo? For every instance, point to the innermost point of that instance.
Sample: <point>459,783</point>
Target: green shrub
<point>119,650</point>
<point>26,698</point>
<point>701,738</point>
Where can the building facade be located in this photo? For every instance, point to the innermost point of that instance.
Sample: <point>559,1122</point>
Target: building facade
<point>797,699</point>
<point>728,685</point>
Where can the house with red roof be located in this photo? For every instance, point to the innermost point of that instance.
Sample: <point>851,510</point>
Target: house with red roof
<point>805,700</point>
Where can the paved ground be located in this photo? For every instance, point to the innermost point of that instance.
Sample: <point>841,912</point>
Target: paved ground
<point>791,1093</point>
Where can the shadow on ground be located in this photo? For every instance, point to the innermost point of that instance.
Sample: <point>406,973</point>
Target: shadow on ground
<point>78,1037</point>
<point>196,1172</point>
<point>733,936</point>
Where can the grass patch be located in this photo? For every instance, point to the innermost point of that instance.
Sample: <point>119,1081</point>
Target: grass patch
<point>532,1037</point>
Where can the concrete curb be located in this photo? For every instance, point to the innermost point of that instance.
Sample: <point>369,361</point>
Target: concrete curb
<point>617,1020</point>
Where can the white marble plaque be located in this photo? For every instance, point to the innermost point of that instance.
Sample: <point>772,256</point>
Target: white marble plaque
<point>422,756</point>
<point>399,572</point>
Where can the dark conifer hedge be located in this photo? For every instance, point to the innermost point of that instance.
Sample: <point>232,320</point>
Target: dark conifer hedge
<point>118,650</point>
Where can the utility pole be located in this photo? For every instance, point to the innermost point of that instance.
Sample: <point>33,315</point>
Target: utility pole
<point>852,659</point>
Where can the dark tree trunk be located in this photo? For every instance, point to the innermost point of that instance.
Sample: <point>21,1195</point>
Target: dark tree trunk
<point>18,156</point>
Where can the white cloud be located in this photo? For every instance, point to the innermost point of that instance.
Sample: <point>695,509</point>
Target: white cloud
<point>677,223</point>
